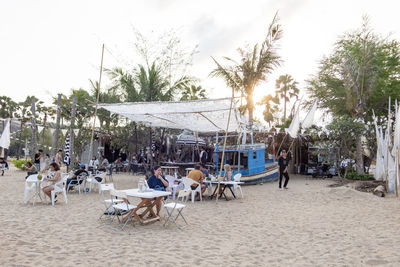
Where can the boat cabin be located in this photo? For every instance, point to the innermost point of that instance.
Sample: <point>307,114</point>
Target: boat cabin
<point>248,159</point>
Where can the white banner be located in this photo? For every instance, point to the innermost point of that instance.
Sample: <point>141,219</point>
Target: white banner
<point>76,132</point>
<point>64,131</point>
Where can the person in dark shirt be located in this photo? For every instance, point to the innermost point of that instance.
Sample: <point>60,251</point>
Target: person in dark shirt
<point>3,165</point>
<point>204,170</point>
<point>74,177</point>
<point>38,158</point>
<point>283,163</point>
<point>157,182</point>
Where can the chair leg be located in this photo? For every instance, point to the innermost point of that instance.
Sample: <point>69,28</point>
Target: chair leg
<point>65,196</point>
<point>241,192</point>
<point>193,194</point>
<point>52,198</point>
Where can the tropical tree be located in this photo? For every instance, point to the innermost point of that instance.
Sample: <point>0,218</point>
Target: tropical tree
<point>8,107</point>
<point>193,92</point>
<point>270,107</point>
<point>286,89</point>
<point>358,77</point>
<point>255,64</point>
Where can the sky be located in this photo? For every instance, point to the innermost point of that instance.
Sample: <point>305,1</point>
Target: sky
<point>49,47</point>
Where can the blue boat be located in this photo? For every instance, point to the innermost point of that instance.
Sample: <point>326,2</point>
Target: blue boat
<point>249,160</point>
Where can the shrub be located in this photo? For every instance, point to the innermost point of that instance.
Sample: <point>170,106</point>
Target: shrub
<point>353,175</point>
<point>18,163</point>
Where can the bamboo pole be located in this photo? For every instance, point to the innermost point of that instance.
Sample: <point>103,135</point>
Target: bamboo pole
<point>223,148</point>
<point>277,152</point>
<point>397,172</point>
<point>95,111</point>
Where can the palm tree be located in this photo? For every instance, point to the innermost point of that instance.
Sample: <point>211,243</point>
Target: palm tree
<point>255,63</point>
<point>286,89</point>
<point>193,92</point>
<point>271,107</point>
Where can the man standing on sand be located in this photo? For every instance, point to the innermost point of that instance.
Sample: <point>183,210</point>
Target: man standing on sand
<point>283,163</point>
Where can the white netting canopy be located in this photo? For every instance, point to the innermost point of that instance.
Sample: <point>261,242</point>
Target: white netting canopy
<point>206,115</point>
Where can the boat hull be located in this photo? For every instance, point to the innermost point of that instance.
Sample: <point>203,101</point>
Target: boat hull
<point>269,175</point>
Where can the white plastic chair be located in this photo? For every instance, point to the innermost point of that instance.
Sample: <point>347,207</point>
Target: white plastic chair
<point>80,181</point>
<point>171,185</point>
<point>92,181</point>
<point>187,186</point>
<point>121,208</point>
<point>236,178</point>
<point>178,206</point>
<point>59,187</point>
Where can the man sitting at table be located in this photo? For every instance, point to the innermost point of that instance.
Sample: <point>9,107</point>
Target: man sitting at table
<point>197,176</point>
<point>75,175</point>
<point>157,182</point>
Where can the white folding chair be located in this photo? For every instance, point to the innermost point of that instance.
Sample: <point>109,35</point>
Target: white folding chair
<point>121,208</point>
<point>236,178</point>
<point>80,181</point>
<point>178,206</point>
<point>171,185</point>
<point>187,186</point>
<point>109,210</point>
<point>59,187</point>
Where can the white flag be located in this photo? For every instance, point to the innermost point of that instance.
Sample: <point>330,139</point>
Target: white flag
<point>64,131</point>
<point>295,124</point>
<point>76,132</point>
<point>5,136</point>
<point>309,119</point>
<point>40,128</point>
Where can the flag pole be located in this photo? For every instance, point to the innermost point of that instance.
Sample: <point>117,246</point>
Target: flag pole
<point>95,111</point>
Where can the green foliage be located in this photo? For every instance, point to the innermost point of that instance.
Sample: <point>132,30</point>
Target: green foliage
<point>359,76</point>
<point>193,92</point>
<point>256,62</point>
<point>286,89</point>
<point>18,163</point>
<point>353,175</point>
<point>270,108</point>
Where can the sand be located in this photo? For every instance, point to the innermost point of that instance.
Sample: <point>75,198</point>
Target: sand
<point>310,224</point>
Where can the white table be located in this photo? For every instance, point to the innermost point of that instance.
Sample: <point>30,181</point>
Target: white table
<point>33,179</point>
<point>148,201</point>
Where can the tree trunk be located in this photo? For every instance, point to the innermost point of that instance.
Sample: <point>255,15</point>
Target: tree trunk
<point>44,127</point>
<point>71,133</point>
<point>56,134</point>
<point>359,156</point>
<point>250,107</point>
<point>34,137</point>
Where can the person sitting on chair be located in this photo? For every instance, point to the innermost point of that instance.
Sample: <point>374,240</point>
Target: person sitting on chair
<point>75,175</point>
<point>227,172</point>
<point>30,168</point>
<point>3,165</point>
<point>157,182</point>
<point>104,164</point>
<point>197,176</point>
<point>204,170</point>
<point>53,176</point>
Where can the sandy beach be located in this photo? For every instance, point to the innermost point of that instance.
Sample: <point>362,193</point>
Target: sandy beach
<point>310,224</point>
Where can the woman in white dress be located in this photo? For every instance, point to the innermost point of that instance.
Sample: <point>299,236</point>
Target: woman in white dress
<point>53,177</point>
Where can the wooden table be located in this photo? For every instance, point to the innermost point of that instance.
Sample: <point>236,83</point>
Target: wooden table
<point>148,202</point>
<point>223,185</point>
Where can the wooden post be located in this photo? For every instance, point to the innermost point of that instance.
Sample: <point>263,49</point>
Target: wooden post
<point>57,132</point>
<point>223,149</point>
<point>95,111</point>
<point>34,137</point>
<point>277,152</point>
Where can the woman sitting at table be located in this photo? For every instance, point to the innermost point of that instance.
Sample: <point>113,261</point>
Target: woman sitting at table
<point>157,182</point>
<point>30,168</point>
<point>53,176</point>
<point>227,172</point>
